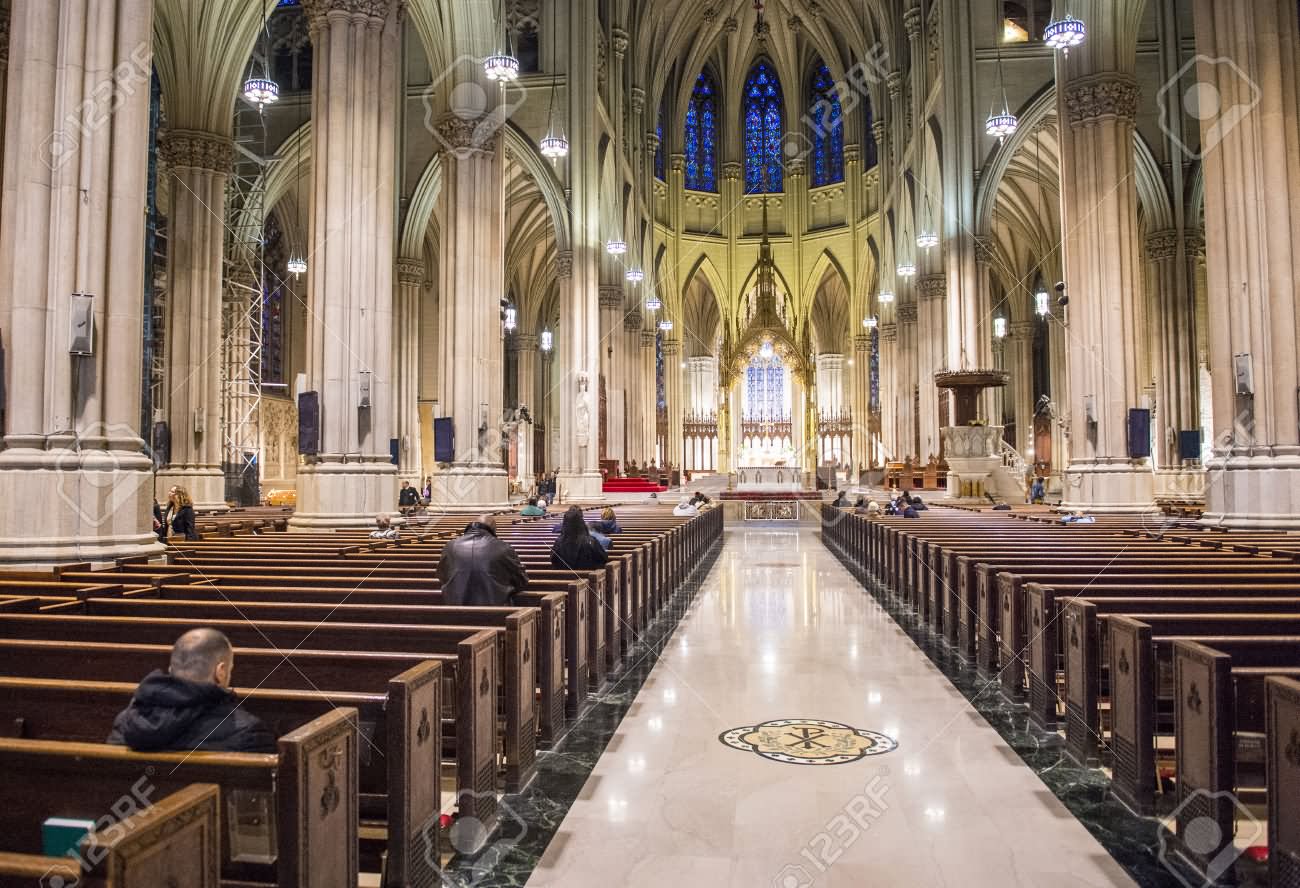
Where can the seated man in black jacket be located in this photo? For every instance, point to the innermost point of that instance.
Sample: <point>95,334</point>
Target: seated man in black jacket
<point>191,706</point>
<point>479,569</point>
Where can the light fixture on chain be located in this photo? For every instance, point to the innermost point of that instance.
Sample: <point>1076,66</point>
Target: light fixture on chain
<point>616,247</point>
<point>665,325</point>
<point>262,91</point>
<point>553,145</point>
<point>1065,33</point>
<point>634,275</point>
<point>870,323</point>
<point>885,297</point>
<point>296,266</point>
<point>1004,123</point>
<point>653,302</point>
<point>502,66</point>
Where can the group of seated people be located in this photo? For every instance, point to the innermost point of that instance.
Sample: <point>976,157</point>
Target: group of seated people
<point>901,504</point>
<point>689,506</point>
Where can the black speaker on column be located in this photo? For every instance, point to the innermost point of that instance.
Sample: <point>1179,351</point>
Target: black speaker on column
<point>1189,444</point>
<point>394,450</point>
<point>309,423</point>
<point>1139,433</point>
<point>444,440</point>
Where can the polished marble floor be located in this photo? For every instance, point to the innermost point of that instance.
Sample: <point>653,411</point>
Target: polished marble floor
<point>778,629</point>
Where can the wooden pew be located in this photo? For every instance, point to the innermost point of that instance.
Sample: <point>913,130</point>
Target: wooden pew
<point>174,841</point>
<point>1282,730</point>
<point>399,751</point>
<point>308,790</point>
<point>476,665</point>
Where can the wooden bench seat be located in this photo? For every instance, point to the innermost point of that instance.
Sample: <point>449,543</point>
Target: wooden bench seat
<point>295,811</point>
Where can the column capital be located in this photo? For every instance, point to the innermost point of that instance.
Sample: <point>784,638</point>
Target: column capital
<point>1195,239</point>
<point>632,321</point>
<point>906,314</point>
<point>1162,245</point>
<point>862,343</point>
<point>912,22</point>
<point>611,296</point>
<point>636,100</point>
<point>647,339</point>
<point>618,42</point>
<point>1102,96</point>
<point>677,162</point>
<point>830,361</point>
<point>984,250</point>
<point>520,342</point>
<point>731,171</point>
<point>889,332</point>
<point>461,136</point>
<point>1021,330</point>
<point>796,167</point>
<point>197,150</point>
<point>852,154</point>
<point>878,130</point>
<point>652,141</point>
<point>933,286</point>
<point>409,271</point>
<point>894,83</point>
<point>873,177</point>
<point>318,10</point>
<point>671,347</point>
<point>564,264</point>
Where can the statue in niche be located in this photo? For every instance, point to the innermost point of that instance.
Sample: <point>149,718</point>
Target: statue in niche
<point>582,410</point>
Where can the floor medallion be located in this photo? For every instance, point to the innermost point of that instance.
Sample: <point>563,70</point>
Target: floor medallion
<point>807,741</point>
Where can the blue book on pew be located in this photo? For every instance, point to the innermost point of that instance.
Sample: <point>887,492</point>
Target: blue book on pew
<point>60,836</point>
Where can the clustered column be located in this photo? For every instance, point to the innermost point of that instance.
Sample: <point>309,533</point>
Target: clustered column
<point>72,222</point>
<point>524,345</point>
<point>406,338</point>
<point>350,282</point>
<point>611,360</point>
<point>930,324</point>
<point>1252,231</point>
<point>906,357</point>
<point>673,397</point>
<point>200,164</point>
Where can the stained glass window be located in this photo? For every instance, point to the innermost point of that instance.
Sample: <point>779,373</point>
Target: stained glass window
<point>765,399</point>
<point>702,135</point>
<point>764,130</point>
<point>659,149</point>
<point>827,129</point>
<point>871,155</point>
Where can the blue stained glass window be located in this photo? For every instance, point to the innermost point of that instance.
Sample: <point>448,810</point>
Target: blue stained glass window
<point>702,135</point>
<point>765,390</point>
<point>659,149</point>
<point>764,130</point>
<point>827,129</point>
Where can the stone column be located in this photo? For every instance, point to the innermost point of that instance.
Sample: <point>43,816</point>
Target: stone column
<point>1174,317</point>
<point>72,221</point>
<point>200,165</point>
<point>1252,233</point>
<point>906,431</point>
<point>578,342</point>
<point>830,384</point>
<point>350,281</point>
<point>637,399</point>
<point>1018,357</point>
<point>1097,107</point>
<point>931,305</point>
<point>611,362</point>
<point>673,396</point>
<point>650,402</point>
<point>889,391</point>
<point>862,439</point>
<point>524,345</point>
<point>406,339</point>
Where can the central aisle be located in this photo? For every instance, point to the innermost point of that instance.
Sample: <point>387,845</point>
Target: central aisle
<point>781,631</point>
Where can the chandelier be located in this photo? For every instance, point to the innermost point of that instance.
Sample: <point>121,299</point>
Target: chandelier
<point>261,90</point>
<point>1000,327</point>
<point>616,247</point>
<point>502,67</point>
<point>1065,33</point>
<point>635,275</point>
<point>554,146</point>
<point>870,323</point>
<point>927,239</point>
<point>296,265</point>
<point>653,302</point>
<point>906,269</point>
<point>548,340</point>
<point>1002,125</point>
<point>886,297</point>
<point>665,325</point>
<point>510,319</point>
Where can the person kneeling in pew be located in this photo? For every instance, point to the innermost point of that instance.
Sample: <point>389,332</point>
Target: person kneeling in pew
<point>191,706</point>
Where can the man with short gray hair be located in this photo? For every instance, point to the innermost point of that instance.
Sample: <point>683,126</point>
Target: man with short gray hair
<point>191,706</point>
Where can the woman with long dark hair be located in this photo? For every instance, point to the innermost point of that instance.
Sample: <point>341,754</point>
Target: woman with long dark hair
<point>576,548</point>
<point>183,514</point>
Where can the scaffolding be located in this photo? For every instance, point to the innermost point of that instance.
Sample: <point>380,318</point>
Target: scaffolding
<point>243,296</point>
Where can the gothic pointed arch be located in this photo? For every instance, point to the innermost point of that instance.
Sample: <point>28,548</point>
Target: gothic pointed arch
<point>700,133</point>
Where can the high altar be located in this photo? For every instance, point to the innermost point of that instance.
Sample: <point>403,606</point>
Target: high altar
<point>767,421</point>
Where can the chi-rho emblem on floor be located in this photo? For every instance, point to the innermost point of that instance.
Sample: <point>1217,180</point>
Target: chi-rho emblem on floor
<point>808,741</point>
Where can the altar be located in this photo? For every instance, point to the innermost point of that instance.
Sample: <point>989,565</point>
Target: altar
<point>763,479</point>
